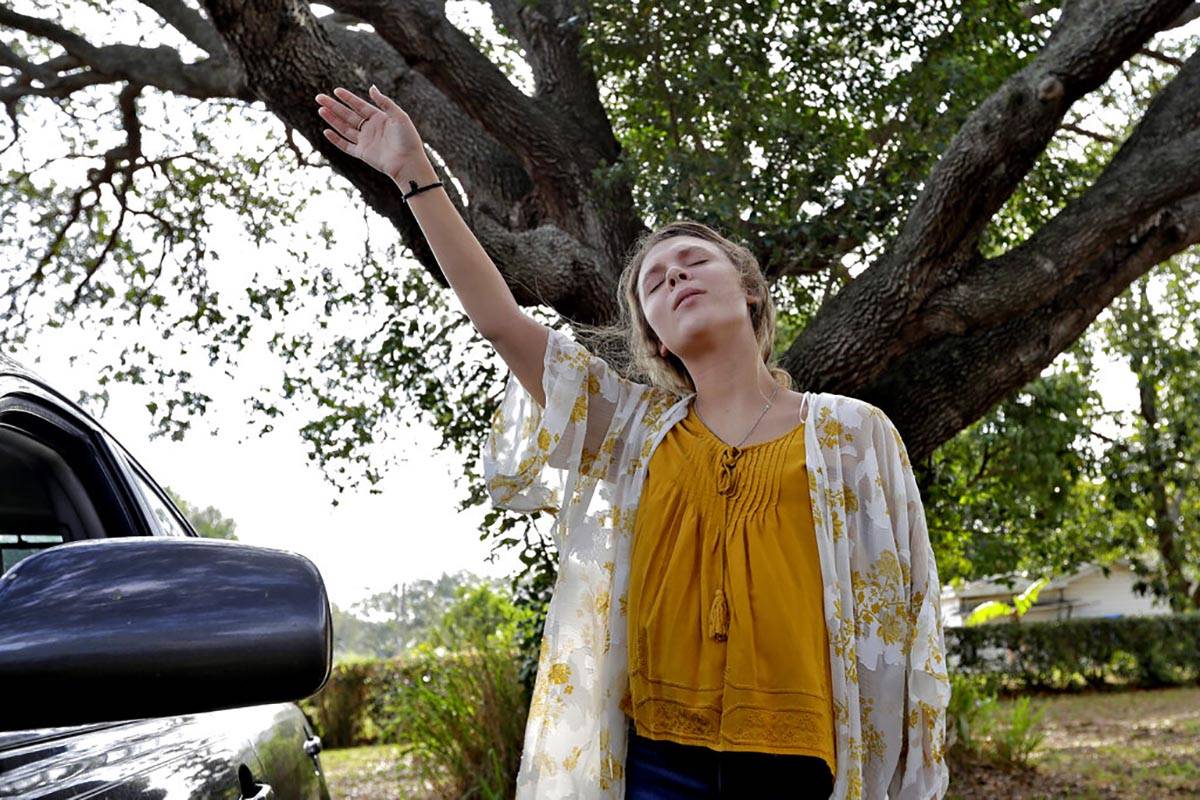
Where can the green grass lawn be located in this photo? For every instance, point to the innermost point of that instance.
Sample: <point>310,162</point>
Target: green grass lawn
<point>365,773</point>
<point>1103,746</point>
<point>1144,745</point>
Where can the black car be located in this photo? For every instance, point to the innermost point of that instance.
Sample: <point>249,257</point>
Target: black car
<point>138,659</point>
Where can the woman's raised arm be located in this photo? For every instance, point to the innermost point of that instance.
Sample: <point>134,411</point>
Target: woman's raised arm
<point>381,134</point>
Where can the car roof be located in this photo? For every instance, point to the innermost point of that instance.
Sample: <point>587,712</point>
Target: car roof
<point>10,366</point>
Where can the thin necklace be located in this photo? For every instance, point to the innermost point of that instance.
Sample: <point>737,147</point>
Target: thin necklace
<point>766,408</point>
<point>718,611</point>
<point>730,454</point>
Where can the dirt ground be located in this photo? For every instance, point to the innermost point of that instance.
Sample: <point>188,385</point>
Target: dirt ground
<point>365,773</point>
<point>1099,746</point>
<point>1111,746</point>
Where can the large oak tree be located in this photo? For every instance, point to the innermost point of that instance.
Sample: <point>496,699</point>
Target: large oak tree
<point>945,195</point>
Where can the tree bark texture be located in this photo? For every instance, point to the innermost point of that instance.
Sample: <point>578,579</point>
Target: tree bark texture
<point>931,332</point>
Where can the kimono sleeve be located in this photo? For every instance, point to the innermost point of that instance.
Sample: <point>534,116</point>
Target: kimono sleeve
<point>533,454</point>
<point>922,771</point>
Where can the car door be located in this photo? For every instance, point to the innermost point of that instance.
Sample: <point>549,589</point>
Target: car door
<point>286,746</point>
<point>61,482</point>
<point>200,756</point>
<point>288,751</point>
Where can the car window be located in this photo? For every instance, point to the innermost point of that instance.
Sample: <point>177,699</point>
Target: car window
<point>16,546</point>
<point>168,523</point>
<point>43,502</point>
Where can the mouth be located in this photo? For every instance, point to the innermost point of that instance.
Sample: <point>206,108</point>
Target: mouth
<point>684,295</point>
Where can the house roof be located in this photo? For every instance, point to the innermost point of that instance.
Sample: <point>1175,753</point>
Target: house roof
<point>1017,582</point>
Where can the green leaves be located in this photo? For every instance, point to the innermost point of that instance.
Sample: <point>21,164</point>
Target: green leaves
<point>993,609</point>
<point>1025,600</point>
<point>778,112</point>
<point>1015,490</point>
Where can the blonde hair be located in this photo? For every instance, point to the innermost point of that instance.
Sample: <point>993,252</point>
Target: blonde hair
<point>632,332</point>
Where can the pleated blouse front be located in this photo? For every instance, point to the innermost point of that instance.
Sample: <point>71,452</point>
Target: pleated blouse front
<point>727,640</point>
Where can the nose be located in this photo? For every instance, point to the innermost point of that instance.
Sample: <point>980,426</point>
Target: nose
<point>674,272</point>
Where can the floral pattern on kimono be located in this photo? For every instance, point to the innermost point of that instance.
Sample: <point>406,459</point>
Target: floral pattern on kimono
<point>583,457</point>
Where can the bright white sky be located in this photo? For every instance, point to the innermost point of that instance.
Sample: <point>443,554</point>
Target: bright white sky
<point>367,542</point>
<point>409,531</point>
<point>267,485</point>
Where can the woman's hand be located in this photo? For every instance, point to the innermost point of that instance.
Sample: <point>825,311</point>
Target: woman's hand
<point>382,135</point>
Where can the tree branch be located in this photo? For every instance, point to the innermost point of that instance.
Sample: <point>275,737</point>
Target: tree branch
<point>198,30</point>
<point>54,84</point>
<point>1000,141</point>
<point>1031,274</point>
<point>963,376</point>
<point>979,170</point>
<point>1189,14</point>
<point>339,18</point>
<point>1156,167</point>
<point>160,67</point>
<point>1099,137</point>
<point>320,56</point>
<point>549,146</point>
<point>549,33</point>
<point>119,160</point>
<point>1163,57</point>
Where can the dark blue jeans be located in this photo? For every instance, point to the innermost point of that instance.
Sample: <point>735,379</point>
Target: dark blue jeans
<point>662,770</point>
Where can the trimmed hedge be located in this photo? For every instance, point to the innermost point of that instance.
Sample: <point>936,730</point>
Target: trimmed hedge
<point>1123,652</point>
<point>355,707</point>
<point>1127,653</point>
<point>349,709</point>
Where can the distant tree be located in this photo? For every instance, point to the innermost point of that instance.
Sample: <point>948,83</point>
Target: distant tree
<point>1152,477</point>
<point>207,521</point>
<point>480,610</point>
<point>353,637</point>
<point>389,622</point>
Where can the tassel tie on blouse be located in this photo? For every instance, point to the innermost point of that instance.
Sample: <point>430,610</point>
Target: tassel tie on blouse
<point>718,612</point>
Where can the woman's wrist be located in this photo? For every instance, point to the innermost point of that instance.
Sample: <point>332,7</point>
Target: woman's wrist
<point>418,169</point>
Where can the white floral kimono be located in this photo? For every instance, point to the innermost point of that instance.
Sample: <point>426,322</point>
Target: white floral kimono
<point>584,456</point>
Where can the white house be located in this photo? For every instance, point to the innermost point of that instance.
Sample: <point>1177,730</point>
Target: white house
<point>1087,592</point>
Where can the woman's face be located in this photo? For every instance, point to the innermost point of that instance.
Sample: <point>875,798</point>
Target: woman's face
<point>691,294</point>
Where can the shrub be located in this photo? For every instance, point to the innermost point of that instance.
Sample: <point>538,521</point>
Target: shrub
<point>461,708</point>
<point>1021,734</point>
<point>1126,652</point>
<point>978,728</point>
<point>337,711</point>
<point>970,713</point>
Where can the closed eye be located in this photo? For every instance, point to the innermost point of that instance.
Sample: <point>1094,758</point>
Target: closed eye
<point>660,283</point>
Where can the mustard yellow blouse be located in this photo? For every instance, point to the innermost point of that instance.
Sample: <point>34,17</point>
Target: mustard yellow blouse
<point>727,639</point>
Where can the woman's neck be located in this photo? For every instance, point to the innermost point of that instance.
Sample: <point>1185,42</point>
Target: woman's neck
<point>733,385</point>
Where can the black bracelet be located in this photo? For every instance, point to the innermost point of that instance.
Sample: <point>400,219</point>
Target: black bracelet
<point>418,189</point>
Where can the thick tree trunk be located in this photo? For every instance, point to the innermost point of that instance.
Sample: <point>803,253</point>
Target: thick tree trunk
<point>932,333</point>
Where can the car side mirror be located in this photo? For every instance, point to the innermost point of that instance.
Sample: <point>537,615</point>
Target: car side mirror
<point>135,627</point>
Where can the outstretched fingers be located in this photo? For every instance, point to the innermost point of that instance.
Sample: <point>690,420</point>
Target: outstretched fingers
<point>385,103</point>
<point>340,125</point>
<point>338,109</point>
<point>355,102</point>
<point>342,144</point>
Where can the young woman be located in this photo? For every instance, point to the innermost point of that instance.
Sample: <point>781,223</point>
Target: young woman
<point>747,603</point>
